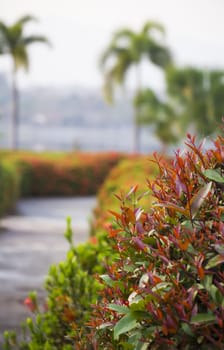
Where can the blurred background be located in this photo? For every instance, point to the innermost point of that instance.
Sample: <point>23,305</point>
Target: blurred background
<point>61,101</point>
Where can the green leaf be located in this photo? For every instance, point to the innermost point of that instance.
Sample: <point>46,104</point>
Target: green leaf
<point>207,282</point>
<point>126,346</point>
<point>68,233</point>
<point>215,294</point>
<point>187,224</point>
<point>134,338</point>
<point>150,241</point>
<point>125,324</point>
<point>121,309</point>
<point>162,286</point>
<point>216,260</point>
<point>214,175</point>
<point>129,268</point>
<point>187,329</point>
<point>138,305</point>
<point>107,280</point>
<point>142,346</point>
<point>105,325</point>
<point>203,318</point>
<point>219,248</point>
<point>134,298</point>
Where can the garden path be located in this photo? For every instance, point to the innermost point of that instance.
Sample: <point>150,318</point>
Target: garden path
<point>30,241</point>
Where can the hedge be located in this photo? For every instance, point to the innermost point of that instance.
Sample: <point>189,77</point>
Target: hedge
<point>72,175</point>
<point>27,174</point>
<point>9,186</point>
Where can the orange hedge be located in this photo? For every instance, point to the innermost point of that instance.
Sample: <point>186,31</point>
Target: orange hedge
<point>63,174</point>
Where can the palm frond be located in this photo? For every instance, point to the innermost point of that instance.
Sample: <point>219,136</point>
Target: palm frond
<point>24,19</point>
<point>4,35</point>
<point>124,33</point>
<point>35,39</point>
<point>121,68</point>
<point>152,25</point>
<point>3,28</point>
<point>115,75</point>
<point>159,55</point>
<point>111,52</point>
<point>20,57</point>
<point>3,46</point>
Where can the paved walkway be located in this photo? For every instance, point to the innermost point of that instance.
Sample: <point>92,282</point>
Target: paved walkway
<point>30,241</point>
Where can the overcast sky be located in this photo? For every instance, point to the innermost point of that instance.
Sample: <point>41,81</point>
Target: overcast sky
<point>80,29</point>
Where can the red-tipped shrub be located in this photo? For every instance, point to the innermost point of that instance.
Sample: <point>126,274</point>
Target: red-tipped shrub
<point>166,291</point>
<point>127,173</point>
<point>76,174</point>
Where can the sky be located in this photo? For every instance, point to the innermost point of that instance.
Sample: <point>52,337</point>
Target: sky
<point>79,30</point>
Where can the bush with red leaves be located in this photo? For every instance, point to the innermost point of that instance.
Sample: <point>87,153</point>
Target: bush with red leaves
<point>166,289</point>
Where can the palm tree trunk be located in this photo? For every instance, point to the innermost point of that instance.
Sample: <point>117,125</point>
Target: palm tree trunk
<point>164,149</point>
<point>137,131</point>
<point>15,111</point>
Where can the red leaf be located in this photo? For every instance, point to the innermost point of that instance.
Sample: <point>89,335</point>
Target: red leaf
<point>117,216</point>
<point>198,199</point>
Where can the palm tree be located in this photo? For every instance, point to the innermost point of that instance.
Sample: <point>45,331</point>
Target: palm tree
<point>14,42</point>
<point>165,122</point>
<point>197,96</point>
<point>128,48</point>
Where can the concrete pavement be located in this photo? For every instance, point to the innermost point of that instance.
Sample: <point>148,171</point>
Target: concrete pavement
<point>30,241</point>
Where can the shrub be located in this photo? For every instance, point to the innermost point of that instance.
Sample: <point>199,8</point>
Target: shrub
<point>52,174</point>
<point>9,187</point>
<point>166,290</point>
<point>127,173</point>
<point>71,289</point>
<point>70,173</point>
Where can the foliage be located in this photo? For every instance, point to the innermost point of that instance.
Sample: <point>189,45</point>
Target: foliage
<point>9,187</point>
<point>71,289</point>
<point>166,289</point>
<point>127,49</point>
<point>127,173</point>
<point>151,110</point>
<point>71,286</point>
<point>15,43</point>
<point>70,173</point>
<point>197,97</point>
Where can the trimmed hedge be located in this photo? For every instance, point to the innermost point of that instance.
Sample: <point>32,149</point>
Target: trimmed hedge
<point>27,174</point>
<point>9,186</point>
<point>60,174</point>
